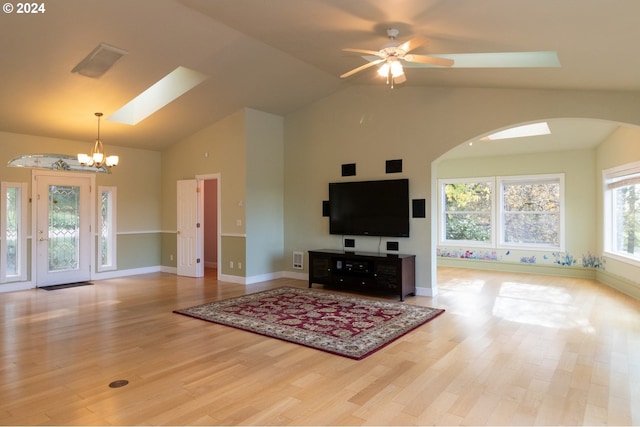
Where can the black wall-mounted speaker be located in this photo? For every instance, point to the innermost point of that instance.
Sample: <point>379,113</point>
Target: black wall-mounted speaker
<point>325,208</point>
<point>393,166</point>
<point>349,169</point>
<point>419,208</point>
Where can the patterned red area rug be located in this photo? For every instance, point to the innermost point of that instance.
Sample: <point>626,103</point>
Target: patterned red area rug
<point>340,324</point>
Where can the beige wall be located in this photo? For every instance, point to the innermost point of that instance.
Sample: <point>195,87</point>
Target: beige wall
<point>621,148</point>
<point>138,191</point>
<point>368,125</point>
<point>578,167</point>
<point>137,176</point>
<point>217,149</point>
<point>265,194</point>
<point>246,150</point>
<point>363,125</point>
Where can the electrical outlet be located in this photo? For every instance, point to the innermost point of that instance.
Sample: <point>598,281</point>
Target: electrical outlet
<point>239,265</point>
<point>230,264</point>
<point>171,257</point>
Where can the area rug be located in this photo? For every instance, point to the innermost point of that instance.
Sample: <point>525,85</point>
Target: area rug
<point>345,325</point>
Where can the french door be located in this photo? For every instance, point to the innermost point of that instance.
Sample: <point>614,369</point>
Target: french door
<point>63,223</point>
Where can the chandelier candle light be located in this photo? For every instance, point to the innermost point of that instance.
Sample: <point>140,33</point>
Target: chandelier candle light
<point>98,157</point>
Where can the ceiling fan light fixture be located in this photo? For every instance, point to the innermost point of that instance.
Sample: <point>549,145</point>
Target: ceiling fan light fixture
<point>383,71</point>
<point>392,70</point>
<point>393,66</point>
<point>396,69</point>
<point>400,79</point>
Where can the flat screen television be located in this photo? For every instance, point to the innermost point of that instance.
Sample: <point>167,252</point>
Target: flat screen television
<point>369,208</point>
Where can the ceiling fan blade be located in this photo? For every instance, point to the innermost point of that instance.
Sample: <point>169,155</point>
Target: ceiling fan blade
<point>431,60</point>
<point>363,67</point>
<point>542,59</point>
<point>364,51</point>
<point>415,42</point>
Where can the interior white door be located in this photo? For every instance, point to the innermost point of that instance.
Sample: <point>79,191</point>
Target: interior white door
<point>188,258</point>
<point>63,229</point>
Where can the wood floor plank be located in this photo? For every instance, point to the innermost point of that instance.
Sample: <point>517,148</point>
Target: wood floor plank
<point>511,349</point>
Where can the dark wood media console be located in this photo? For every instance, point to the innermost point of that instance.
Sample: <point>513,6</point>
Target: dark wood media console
<point>364,271</point>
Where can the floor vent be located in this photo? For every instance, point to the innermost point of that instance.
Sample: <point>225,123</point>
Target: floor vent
<point>298,260</point>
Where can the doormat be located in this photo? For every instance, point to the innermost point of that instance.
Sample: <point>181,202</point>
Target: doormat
<point>345,325</point>
<point>65,286</point>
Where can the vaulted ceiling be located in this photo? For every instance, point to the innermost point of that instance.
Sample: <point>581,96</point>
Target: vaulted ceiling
<point>279,55</point>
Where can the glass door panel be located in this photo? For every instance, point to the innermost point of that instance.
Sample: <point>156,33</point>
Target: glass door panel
<point>64,228</point>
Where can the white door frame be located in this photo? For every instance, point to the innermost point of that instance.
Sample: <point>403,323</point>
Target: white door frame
<point>35,174</point>
<point>200,248</point>
<point>195,223</point>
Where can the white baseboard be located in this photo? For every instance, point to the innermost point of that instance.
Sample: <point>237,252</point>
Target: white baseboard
<point>23,286</point>
<point>619,283</point>
<point>424,292</point>
<point>17,286</point>
<point>295,275</point>
<point>124,273</point>
<point>232,279</point>
<point>251,279</point>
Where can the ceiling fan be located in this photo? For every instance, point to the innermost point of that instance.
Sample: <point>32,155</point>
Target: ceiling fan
<point>393,54</point>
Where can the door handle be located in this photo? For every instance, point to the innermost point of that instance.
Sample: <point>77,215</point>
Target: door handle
<point>42,239</point>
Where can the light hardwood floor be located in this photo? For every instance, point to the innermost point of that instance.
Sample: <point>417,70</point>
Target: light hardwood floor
<point>511,349</point>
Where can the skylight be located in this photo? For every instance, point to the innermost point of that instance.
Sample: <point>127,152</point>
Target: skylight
<point>161,93</point>
<point>533,129</point>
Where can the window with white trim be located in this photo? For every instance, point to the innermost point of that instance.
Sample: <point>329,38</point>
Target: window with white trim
<point>622,212</point>
<point>107,237</point>
<point>13,232</point>
<point>467,211</point>
<point>531,211</point>
<point>506,212</point>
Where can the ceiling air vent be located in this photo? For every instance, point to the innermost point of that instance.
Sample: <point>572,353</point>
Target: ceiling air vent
<point>99,61</point>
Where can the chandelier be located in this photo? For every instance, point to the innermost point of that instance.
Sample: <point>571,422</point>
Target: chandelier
<point>98,157</point>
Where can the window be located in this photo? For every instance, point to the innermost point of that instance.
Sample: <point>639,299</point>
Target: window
<point>107,229</point>
<point>622,212</point>
<point>468,211</point>
<point>13,248</point>
<point>531,210</point>
<point>524,212</point>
